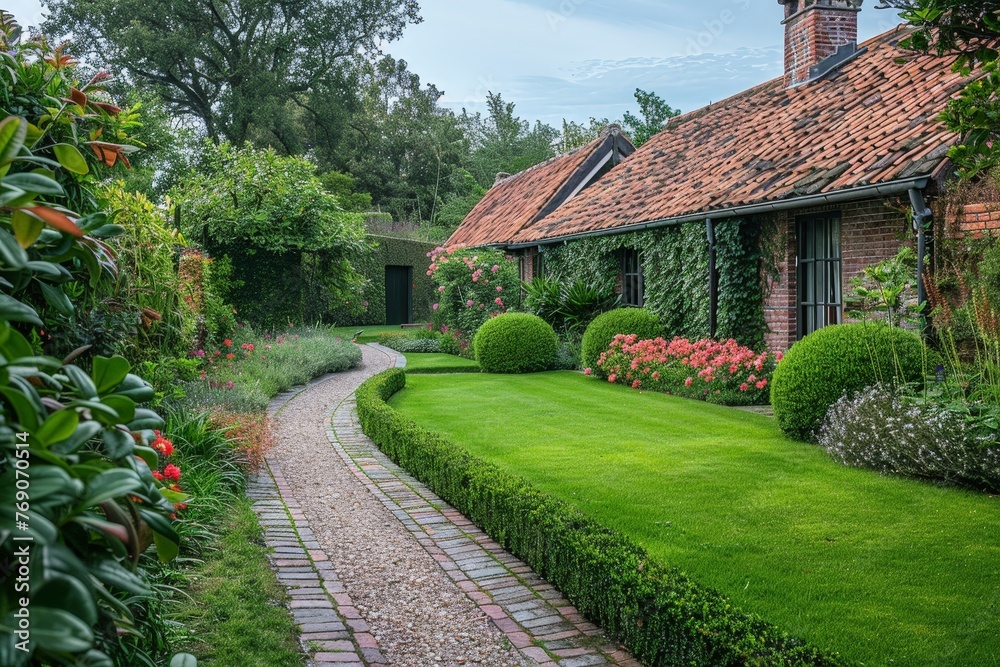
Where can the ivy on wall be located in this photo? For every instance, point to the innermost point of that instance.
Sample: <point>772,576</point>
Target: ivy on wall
<point>388,251</point>
<point>675,268</point>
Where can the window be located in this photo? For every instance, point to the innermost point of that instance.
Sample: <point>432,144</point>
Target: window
<point>819,279</point>
<point>632,282</point>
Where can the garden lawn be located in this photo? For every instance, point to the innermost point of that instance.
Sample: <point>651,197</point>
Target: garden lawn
<point>886,571</point>
<point>425,362</point>
<point>370,334</point>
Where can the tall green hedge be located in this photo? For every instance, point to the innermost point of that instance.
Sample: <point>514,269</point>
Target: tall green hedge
<point>660,614</point>
<point>675,267</point>
<point>389,251</point>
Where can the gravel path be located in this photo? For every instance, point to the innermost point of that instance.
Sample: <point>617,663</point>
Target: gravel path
<point>416,612</point>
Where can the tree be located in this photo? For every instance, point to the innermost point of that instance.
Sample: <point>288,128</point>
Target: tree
<point>289,241</point>
<point>502,142</point>
<point>654,112</point>
<point>575,135</point>
<point>233,64</point>
<point>967,30</point>
<point>400,145</point>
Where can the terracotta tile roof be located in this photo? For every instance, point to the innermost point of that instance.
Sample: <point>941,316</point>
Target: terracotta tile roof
<point>516,202</point>
<point>871,121</point>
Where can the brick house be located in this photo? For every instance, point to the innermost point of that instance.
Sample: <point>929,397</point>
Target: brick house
<point>836,159</point>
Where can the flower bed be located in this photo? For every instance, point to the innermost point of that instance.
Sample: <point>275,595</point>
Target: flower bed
<point>719,372</point>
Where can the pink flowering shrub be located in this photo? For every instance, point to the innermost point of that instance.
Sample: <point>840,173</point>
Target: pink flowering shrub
<point>719,372</point>
<point>474,285</point>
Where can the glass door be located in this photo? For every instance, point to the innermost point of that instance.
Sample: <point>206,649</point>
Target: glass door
<point>819,278</point>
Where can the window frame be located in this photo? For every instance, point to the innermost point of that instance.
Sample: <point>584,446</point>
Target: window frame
<point>633,278</point>
<point>819,260</point>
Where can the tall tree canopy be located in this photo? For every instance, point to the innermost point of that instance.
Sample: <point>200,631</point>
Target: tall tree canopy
<point>233,64</point>
<point>654,112</point>
<point>503,142</point>
<point>968,30</point>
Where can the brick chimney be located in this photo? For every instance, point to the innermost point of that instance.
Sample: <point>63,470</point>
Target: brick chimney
<point>814,31</point>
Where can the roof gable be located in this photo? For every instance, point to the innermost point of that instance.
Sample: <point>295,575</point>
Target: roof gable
<point>515,203</point>
<point>871,121</point>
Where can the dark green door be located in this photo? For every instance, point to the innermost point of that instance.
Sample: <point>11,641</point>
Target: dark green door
<point>398,295</point>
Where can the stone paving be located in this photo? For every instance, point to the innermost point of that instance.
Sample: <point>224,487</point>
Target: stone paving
<point>537,620</point>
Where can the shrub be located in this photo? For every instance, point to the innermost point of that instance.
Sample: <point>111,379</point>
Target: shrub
<point>725,373</point>
<point>567,357</point>
<point>659,613</point>
<point>473,285</point>
<point>880,429</point>
<point>600,333</point>
<point>515,343</point>
<point>406,344</point>
<point>839,360</point>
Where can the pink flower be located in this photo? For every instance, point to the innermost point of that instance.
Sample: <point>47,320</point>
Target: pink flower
<point>499,288</point>
<point>636,384</point>
<point>656,375</point>
<point>612,378</point>
<point>762,383</point>
<point>744,386</point>
<point>588,371</point>
<point>469,303</point>
<point>498,301</point>
<point>496,267</point>
<point>441,289</point>
<point>230,385</point>
<point>436,306</point>
<point>688,382</point>
<point>779,356</point>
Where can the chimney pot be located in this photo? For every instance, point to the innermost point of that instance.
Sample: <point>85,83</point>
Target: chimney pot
<point>814,30</point>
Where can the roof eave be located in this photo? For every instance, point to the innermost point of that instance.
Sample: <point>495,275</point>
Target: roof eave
<point>805,201</point>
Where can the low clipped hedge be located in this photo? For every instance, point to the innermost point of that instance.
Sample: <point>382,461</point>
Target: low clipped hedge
<point>836,361</point>
<point>516,343</point>
<point>659,613</point>
<point>599,334</point>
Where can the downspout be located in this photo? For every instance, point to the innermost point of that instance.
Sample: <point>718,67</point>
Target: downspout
<point>713,280</point>
<point>923,224</point>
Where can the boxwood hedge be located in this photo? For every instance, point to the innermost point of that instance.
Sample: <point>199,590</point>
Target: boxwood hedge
<point>659,613</point>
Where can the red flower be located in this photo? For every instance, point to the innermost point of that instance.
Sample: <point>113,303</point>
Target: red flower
<point>227,343</point>
<point>162,445</point>
<point>172,472</point>
<point>157,475</point>
<point>230,355</point>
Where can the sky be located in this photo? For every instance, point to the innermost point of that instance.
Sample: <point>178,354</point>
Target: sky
<point>578,59</point>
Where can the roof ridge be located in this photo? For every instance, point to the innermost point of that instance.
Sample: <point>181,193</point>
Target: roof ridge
<point>605,133</point>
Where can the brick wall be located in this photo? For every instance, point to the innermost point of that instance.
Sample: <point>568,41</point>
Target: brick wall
<point>814,29</point>
<point>870,232</point>
<point>976,220</point>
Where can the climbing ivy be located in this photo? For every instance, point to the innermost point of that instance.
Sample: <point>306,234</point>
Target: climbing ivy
<point>675,266</point>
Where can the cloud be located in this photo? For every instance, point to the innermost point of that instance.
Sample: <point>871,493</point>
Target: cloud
<point>605,87</point>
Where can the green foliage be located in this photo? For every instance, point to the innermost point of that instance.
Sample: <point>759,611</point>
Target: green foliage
<point>147,283</point>
<point>675,267</point>
<point>883,290</point>
<point>289,242</point>
<point>386,251</point>
<point>502,142</point>
<point>570,307</point>
<point>71,467</point>
<point>343,187</point>
<point>261,368</point>
<point>654,113</point>
<point>837,361</point>
<point>597,339</point>
<point>967,30</point>
<point>658,613</point>
<point>237,70</point>
<point>515,343</point>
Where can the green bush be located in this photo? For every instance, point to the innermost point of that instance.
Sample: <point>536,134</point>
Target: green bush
<point>515,343</point>
<point>604,328</point>
<point>840,360</point>
<point>656,611</point>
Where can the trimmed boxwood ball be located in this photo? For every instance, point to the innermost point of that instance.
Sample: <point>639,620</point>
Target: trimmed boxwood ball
<point>836,361</point>
<point>515,343</point>
<point>598,336</point>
